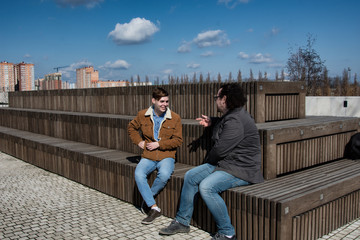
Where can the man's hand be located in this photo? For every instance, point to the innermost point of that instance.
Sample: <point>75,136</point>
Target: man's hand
<point>204,120</point>
<point>141,144</point>
<point>152,146</point>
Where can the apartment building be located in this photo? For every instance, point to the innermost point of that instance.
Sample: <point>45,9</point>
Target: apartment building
<point>111,83</point>
<point>86,77</point>
<point>7,77</point>
<point>25,76</point>
<point>52,81</point>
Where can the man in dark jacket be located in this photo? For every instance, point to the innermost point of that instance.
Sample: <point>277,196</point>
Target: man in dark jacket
<point>234,160</point>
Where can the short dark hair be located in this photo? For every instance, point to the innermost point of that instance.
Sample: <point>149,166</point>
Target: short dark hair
<point>159,93</point>
<point>234,93</point>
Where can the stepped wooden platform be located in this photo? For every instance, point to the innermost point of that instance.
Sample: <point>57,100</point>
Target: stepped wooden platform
<point>267,101</point>
<point>288,146</point>
<point>310,190</point>
<point>311,203</point>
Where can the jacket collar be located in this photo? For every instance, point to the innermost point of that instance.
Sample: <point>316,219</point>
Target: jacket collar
<point>150,111</point>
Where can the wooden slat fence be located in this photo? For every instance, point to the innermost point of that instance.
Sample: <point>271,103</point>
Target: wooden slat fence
<point>267,101</point>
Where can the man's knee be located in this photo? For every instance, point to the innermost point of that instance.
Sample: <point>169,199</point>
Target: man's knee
<point>206,187</point>
<point>164,175</point>
<point>139,174</point>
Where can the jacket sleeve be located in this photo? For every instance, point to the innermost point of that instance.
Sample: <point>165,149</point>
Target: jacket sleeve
<point>175,140</point>
<point>231,133</point>
<point>133,130</point>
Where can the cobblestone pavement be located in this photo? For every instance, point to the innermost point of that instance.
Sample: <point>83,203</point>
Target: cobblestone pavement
<point>37,204</point>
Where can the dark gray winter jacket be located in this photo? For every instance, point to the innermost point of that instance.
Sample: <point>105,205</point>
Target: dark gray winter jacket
<point>236,148</point>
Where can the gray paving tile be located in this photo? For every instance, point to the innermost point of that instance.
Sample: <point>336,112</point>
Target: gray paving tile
<point>36,204</point>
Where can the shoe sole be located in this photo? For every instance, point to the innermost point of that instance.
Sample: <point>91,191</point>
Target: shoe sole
<point>147,223</point>
<point>168,234</point>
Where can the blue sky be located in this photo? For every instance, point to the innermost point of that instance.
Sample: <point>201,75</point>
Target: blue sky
<point>124,38</point>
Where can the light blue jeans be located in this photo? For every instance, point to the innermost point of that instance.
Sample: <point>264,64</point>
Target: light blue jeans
<point>209,183</point>
<point>164,168</point>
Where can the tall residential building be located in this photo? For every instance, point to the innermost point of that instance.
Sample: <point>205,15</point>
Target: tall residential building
<point>86,77</point>
<point>52,81</point>
<point>25,76</point>
<point>7,77</point>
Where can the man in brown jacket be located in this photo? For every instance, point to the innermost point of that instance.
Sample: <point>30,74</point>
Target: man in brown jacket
<point>161,134</point>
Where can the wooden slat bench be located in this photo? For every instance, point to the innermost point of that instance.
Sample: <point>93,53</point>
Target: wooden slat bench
<point>267,101</point>
<point>283,208</point>
<point>292,206</point>
<point>306,142</point>
<point>293,145</point>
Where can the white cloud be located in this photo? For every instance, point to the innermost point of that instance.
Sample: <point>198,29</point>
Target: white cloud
<point>168,71</point>
<point>260,58</point>
<point>275,31</point>
<point>138,30</point>
<point>207,54</point>
<point>232,3</point>
<point>276,65</point>
<point>185,47</point>
<point>243,55</point>
<point>77,3</point>
<point>211,38</point>
<point>193,65</point>
<point>118,64</point>
<point>70,70</point>
<point>27,56</point>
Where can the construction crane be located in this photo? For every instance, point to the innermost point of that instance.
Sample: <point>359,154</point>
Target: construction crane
<point>57,68</point>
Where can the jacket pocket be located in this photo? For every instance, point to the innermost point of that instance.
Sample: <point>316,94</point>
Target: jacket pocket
<point>167,131</point>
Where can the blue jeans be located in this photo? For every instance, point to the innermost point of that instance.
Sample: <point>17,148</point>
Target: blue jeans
<point>209,183</point>
<point>164,167</point>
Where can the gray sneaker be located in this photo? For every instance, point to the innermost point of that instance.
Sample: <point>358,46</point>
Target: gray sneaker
<point>219,236</point>
<point>151,217</point>
<point>173,228</point>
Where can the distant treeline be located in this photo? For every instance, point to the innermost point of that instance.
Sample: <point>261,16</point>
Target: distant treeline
<point>319,86</point>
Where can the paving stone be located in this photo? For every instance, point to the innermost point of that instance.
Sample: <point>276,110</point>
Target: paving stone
<point>36,204</point>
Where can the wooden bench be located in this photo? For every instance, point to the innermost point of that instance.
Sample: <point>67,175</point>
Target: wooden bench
<point>293,145</point>
<point>303,205</point>
<point>283,208</point>
<point>287,146</point>
<point>267,101</point>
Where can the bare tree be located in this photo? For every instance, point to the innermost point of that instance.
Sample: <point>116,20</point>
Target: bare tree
<point>208,78</point>
<point>337,86</point>
<point>230,77</point>
<point>239,77</point>
<point>251,78</point>
<point>219,77</point>
<point>326,83</point>
<point>306,64</point>
<point>345,90</point>
<point>282,77</point>
<point>201,78</point>
<point>355,87</point>
<point>194,78</point>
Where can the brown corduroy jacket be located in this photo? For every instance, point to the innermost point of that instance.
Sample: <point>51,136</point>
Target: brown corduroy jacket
<point>170,133</point>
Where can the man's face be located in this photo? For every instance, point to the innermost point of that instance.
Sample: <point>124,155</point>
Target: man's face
<point>221,103</point>
<point>161,105</point>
